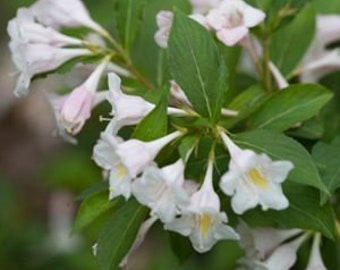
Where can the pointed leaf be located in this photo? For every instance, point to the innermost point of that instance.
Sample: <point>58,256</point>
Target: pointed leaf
<point>92,207</point>
<point>119,234</point>
<point>305,211</point>
<point>327,157</point>
<point>196,65</point>
<point>155,124</point>
<point>289,44</point>
<point>290,106</point>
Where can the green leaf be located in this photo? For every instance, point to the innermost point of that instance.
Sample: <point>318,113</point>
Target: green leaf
<point>311,129</point>
<point>146,55</point>
<point>119,234</point>
<point>290,106</point>
<point>180,246</point>
<point>330,114</point>
<point>305,211</point>
<point>187,145</point>
<point>281,147</point>
<point>93,207</point>
<point>155,124</point>
<point>327,157</point>
<point>196,65</point>
<point>246,103</point>
<point>289,44</point>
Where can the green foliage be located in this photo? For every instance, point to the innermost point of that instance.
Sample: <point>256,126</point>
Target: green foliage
<point>246,103</point>
<point>287,45</point>
<point>281,147</point>
<point>290,106</point>
<point>119,234</point>
<point>155,124</point>
<point>92,207</point>
<point>146,54</point>
<point>328,161</point>
<point>305,211</point>
<point>197,66</point>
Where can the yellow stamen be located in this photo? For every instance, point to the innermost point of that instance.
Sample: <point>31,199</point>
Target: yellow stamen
<point>205,222</point>
<point>257,178</point>
<point>121,171</point>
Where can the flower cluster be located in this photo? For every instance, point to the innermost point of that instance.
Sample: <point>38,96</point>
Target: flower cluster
<point>133,167</point>
<point>38,47</point>
<point>252,179</point>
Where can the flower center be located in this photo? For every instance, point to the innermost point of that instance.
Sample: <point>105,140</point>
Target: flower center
<point>234,18</point>
<point>121,171</point>
<point>205,222</point>
<point>257,178</point>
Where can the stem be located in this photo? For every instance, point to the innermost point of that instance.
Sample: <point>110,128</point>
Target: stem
<point>266,70</point>
<point>253,56</point>
<point>128,62</point>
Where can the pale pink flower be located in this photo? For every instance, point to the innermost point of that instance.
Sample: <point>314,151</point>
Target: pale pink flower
<point>164,22</point>
<point>65,13</point>
<point>24,29</point>
<point>232,19</point>
<point>76,107</point>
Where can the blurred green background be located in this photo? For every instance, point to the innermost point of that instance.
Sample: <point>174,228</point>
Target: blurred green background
<point>41,176</point>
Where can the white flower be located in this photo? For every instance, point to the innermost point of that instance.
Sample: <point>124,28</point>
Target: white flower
<point>320,61</point>
<point>232,19</point>
<point>67,13</point>
<point>177,92</point>
<point>283,257</point>
<point>24,29</point>
<point>254,179</point>
<point>260,242</point>
<point>162,190</point>
<point>58,102</point>
<point>76,107</point>
<point>315,259</point>
<point>164,22</point>
<point>33,59</point>
<point>127,109</point>
<point>202,221</point>
<point>125,160</point>
<point>203,6</point>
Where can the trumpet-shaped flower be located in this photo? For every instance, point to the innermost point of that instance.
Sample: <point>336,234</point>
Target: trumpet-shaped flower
<point>33,59</point>
<point>232,19</point>
<point>202,220</point>
<point>254,179</point>
<point>75,108</point>
<point>320,61</point>
<point>24,29</point>
<point>260,242</point>
<point>64,13</point>
<point>282,258</point>
<point>162,190</point>
<point>125,160</point>
<point>315,260</point>
<point>127,109</point>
